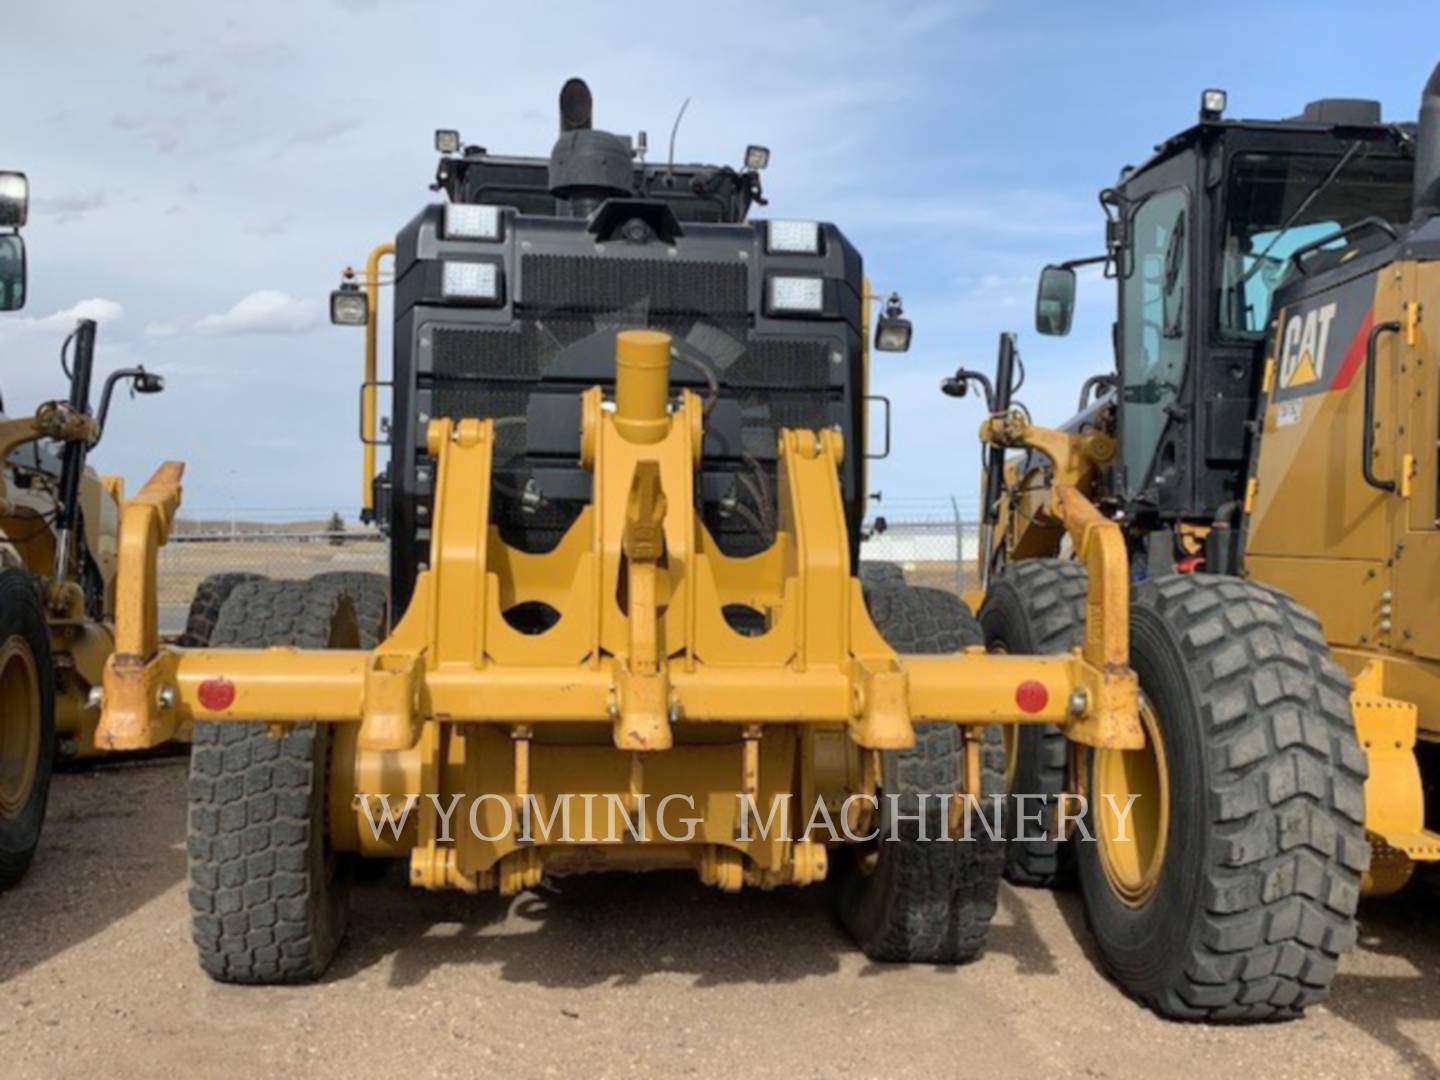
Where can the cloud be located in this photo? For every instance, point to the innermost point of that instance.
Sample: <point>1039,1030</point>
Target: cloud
<point>267,311</point>
<point>319,135</point>
<point>161,329</point>
<point>164,58</point>
<point>101,310</point>
<point>272,226</point>
<point>67,208</point>
<point>164,131</point>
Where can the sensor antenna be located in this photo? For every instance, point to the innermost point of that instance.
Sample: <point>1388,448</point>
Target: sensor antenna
<point>670,168</point>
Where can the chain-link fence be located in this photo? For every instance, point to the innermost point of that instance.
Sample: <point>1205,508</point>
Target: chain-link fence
<point>932,542</point>
<point>194,554</point>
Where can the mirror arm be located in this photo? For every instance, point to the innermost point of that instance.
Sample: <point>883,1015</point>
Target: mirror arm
<point>132,373</point>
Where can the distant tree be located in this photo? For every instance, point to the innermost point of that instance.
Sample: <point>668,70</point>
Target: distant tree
<point>337,529</point>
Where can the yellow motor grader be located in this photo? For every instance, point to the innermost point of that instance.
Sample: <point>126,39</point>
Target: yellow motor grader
<point>58,525</point>
<point>1269,437</point>
<point>624,499</point>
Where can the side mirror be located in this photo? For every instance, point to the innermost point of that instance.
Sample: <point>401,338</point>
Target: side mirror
<point>14,200</point>
<point>12,272</point>
<point>1055,301</point>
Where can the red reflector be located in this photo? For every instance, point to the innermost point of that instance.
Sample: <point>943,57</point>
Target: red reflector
<point>1031,696</point>
<point>217,694</point>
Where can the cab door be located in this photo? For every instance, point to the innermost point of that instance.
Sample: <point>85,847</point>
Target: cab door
<point>1415,616</point>
<point>1155,317</point>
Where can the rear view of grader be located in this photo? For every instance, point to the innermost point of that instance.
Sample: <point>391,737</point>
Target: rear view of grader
<point>624,496</point>
<point>58,555</point>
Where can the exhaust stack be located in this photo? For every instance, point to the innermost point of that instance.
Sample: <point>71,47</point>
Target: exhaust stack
<point>1427,149</point>
<point>587,166</point>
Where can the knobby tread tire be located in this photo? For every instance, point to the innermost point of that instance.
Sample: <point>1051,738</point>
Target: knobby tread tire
<point>878,574</point>
<point>927,901</point>
<point>268,899</point>
<point>210,596</point>
<point>1267,845</point>
<point>370,593</point>
<point>1037,607</point>
<point>23,615</point>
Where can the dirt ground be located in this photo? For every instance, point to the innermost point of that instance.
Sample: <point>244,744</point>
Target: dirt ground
<point>616,976</point>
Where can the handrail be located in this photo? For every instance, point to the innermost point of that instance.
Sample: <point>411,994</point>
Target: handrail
<point>1367,434</point>
<point>368,388</point>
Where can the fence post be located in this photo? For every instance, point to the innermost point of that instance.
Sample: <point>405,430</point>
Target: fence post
<point>959,548</point>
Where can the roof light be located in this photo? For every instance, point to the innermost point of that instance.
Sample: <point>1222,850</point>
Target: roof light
<point>787,295</point>
<point>478,282</point>
<point>468,221</point>
<point>757,157</point>
<point>792,237</point>
<point>447,141</point>
<point>893,331</point>
<point>349,307</point>
<point>14,199</point>
<point>1212,104</point>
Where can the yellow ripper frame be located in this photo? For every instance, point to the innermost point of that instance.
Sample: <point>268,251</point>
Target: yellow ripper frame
<point>641,643</point>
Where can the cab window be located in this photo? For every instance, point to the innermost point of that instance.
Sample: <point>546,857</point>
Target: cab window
<point>1156,319</point>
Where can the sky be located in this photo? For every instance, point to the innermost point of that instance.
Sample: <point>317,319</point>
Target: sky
<point>201,173</point>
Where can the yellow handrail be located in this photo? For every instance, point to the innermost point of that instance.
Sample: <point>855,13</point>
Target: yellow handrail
<point>367,392</point>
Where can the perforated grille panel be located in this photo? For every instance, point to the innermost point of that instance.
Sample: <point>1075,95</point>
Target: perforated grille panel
<point>591,283</point>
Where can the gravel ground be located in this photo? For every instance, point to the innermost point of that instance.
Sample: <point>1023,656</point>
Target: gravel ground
<point>615,976</point>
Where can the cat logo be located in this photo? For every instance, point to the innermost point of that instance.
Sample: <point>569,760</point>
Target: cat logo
<point>1302,349</point>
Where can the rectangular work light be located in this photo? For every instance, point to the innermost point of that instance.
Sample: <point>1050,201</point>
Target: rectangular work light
<point>476,282</point>
<point>791,295</point>
<point>467,221</point>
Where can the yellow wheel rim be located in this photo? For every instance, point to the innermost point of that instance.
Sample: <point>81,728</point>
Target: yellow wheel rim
<point>19,725</point>
<point>1132,846</point>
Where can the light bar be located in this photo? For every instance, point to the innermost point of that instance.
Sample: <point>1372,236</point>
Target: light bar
<point>788,295</point>
<point>792,237</point>
<point>475,281</point>
<point>467,221</point>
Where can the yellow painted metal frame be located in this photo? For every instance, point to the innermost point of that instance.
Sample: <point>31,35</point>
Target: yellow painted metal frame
<point>79,643</point>
<point>641,646</point>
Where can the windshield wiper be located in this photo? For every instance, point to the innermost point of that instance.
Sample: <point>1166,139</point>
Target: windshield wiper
<point>1315,193</point>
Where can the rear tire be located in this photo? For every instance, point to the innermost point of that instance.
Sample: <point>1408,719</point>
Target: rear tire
<point>210,596</point>
<point>370,593</point>
<point>875,574</point>
<point>268,897</point>
<point>1261,847</point>
<point>27,722</point>
<point>1035,608</point>
<point>925,900</point>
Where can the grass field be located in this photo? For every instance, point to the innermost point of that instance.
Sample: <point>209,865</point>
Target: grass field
<point>184,565</point>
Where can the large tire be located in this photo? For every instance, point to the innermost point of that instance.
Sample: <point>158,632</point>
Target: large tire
<point>930,900</point>
<point>27,722</point>
<point>876,574</point>
<point>268,897</point>
<point>1037,607</point>
<point>210,596</point>
<point>370,593</point>
<point>1256,875</point>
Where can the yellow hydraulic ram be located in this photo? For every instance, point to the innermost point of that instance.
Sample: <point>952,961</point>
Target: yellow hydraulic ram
<point>640,588</point>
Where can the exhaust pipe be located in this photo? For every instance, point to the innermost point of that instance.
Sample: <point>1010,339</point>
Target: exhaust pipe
<point>1427,150</point>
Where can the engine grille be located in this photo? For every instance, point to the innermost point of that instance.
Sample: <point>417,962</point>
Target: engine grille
<point>588,283</point>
